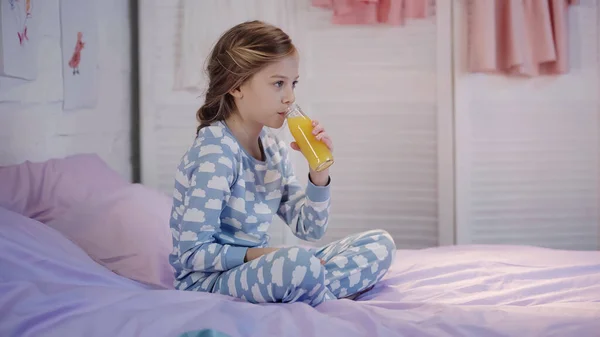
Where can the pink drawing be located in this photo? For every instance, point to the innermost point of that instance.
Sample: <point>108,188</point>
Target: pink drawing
<point>23,36</point>
<point>76,58</point>
<point>16,7</point>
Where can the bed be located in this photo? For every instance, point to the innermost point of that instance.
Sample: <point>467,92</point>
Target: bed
<point>55,283</point>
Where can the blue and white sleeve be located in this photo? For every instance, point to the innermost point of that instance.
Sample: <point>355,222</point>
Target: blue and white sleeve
<point>204,199</point>
<point>304,210</point>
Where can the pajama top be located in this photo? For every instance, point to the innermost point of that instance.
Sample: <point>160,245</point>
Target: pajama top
<point>224,202</point>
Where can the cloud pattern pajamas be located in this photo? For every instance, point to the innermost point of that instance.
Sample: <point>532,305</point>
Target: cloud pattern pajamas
<point>296,274</point>
<point>223,203</point>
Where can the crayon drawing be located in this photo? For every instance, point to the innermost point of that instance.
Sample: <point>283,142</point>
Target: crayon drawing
<point>18,49</point>
<point>76,58</point>
<point>79,42</point>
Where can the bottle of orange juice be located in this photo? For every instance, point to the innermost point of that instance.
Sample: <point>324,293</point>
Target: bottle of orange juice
<point>317,154</point>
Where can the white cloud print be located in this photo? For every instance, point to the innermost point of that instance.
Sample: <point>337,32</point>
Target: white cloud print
<point>226,161</point>
<point>233,222</point>
<point>231,143</point>
<point>238,204</point>
<point>261,208</point>
<point>260,167</point>
<point>182,179</point>
<point>213,204</point>
<point>263,227</point>
<point>193,215</point>
<point>207,167</point>
<point>276,158</point>
<point>298,275</point>
<point>188,236</point>
<point>378,249</point>
<point>210,149</point>
<point>249,176</point>
<point>273,195</point>
<point>198,141</point>
<point>177,195</point>
<point>207,228</point>
<point>318,206</point>
<point>241,182</point>
<point>198,192</point>
<point>218,183</point>
<point>251,219</point>
<point>216,131</point>
<point>271,176</point>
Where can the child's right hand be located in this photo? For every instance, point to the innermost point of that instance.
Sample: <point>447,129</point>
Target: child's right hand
<point>255,253</point>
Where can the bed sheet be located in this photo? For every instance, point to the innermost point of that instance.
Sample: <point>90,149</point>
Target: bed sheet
<point>49,287</point>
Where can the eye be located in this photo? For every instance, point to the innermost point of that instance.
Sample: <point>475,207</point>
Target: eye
<point>279,84</point>
<point>294,84</point>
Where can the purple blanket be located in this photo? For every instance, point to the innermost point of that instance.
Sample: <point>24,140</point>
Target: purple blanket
<point>49,287</point>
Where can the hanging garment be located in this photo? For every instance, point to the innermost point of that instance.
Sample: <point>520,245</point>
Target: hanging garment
<point>367,12</point>
<point>519,37</point>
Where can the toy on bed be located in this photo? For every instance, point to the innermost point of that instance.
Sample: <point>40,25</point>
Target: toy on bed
<point>84,253</point>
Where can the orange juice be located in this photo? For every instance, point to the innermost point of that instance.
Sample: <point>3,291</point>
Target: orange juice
<point>316,152</point>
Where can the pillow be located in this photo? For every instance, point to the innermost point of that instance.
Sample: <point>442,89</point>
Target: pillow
<point>44,190</point>
<point>34,256</point>
<point>127,231</point>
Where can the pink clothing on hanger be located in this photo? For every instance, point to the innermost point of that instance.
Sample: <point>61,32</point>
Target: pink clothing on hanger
<point>520,37</point>
<point>365,12</point>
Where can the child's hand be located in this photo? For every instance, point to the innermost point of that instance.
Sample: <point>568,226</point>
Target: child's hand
<point>320,134</point>
<point>318,178</point>
<point>255,253</point>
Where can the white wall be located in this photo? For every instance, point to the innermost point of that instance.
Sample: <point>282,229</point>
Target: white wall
<point>406,116</point>
<point>381,92</point>
<point>33,125</point>
<point>528,149</point>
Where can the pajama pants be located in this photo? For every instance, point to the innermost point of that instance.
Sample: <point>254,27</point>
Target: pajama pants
<point>296,274</point>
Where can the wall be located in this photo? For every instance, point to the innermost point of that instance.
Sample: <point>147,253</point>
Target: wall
<point>33,125</point>
<point>528,149</point>
<point>431,153</point>
<point>389,112</point>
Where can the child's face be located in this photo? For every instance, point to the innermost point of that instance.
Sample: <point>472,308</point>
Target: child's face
<point>265,97</point>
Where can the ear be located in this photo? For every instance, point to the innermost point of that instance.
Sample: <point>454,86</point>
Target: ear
<point>236,93</point>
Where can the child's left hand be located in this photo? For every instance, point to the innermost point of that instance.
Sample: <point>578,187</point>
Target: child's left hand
<point>320,134</point>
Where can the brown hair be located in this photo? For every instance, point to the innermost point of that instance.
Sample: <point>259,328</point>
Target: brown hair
<point>239,53</point>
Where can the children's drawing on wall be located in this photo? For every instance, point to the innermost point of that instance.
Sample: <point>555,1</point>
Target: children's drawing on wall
<point>18,7</point>
<point>74,62</point>
<point>22,33</point>
<point>79,42</point>
<point>18,40</point>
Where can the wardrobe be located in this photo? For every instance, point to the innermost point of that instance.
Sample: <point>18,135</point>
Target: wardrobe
<point>425,149</point>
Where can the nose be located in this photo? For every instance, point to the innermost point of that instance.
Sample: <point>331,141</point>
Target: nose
<point>289,97</point>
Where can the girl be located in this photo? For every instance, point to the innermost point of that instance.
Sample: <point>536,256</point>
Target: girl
<point>237,175</point>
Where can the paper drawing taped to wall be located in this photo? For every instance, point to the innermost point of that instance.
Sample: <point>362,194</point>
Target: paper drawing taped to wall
<point>21,22</point>
<point>79,42</point>
<point>18,39</point>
